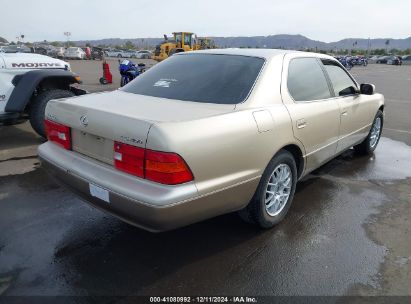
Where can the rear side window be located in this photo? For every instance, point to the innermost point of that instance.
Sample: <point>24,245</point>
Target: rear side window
<point>340,80</point>
<point>207,78</point>
<point>306,80</point>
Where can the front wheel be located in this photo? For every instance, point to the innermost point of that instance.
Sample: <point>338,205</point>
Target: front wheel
<point>103,80</point>
<point>123,81</point>
<point>38,107</point>
<point>370,143</point>
<point>275,192</point>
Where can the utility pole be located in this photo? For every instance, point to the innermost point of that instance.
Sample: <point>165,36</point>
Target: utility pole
<point>368,47</point>
<point>67,34</point>
<point>387,43</point>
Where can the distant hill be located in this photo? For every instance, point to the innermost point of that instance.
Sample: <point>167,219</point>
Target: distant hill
<point>272,41</point>
<point>2,40</point>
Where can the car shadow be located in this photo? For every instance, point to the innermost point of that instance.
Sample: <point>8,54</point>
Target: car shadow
<point>104,256</point>
<point>17,136</point>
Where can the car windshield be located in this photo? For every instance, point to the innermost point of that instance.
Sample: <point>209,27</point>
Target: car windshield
<point>207,78</point>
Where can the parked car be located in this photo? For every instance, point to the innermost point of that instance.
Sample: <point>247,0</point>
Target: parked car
<point>96,53</point>
<point>58,52</point>
<point>118,53</point>
<point>74,53</point>
<point>394,60</point>
<point>21,48</point>
<point>39,50</point>
<point>383,59</point>
<point>406,59</point>
<point>182,143</point>
<point>28,82</point>
<point>142,54</point>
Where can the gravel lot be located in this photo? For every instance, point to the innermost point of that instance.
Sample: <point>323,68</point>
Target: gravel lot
<point>347,233</point>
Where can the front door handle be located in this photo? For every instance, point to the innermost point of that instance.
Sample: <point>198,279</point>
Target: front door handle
<point>344,112</point>
<point>301,123</point>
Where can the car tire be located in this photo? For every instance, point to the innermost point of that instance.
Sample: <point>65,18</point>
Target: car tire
<point>38,107</point>
<point>273,183</point>
<point>369,144</point>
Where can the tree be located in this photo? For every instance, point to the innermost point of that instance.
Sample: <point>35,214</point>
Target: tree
<point>55,43</point>
<point>129,45</point>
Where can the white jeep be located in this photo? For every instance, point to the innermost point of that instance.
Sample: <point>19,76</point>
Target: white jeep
<point>28,82</point>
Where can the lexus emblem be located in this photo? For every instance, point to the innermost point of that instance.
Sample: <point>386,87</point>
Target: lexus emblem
<point>84,120</point>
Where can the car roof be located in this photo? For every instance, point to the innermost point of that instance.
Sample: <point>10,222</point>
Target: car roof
<point>262,53</point>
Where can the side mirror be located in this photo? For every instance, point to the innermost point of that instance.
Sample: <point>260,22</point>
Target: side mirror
<point>349,91</point>
<point>367,89</point>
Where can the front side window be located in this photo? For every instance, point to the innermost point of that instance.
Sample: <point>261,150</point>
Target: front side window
<point>206,78</point>
<point>306,80</point>
<point>187,39</point>
<point>178,37</point>
<point>342,83</point>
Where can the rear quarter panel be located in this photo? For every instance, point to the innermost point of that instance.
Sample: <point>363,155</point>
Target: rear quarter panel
<point>224,150</point>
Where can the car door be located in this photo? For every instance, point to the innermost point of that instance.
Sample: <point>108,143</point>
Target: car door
<point>354,108</point>
<point>314,113</point>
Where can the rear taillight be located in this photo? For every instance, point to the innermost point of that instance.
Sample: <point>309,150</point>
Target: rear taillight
<point>166,168</point>
<point>129,159</point>
<point>161,167</point>
<point>58,133</point>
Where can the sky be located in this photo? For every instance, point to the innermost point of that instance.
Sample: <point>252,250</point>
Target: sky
<point>321,20</point>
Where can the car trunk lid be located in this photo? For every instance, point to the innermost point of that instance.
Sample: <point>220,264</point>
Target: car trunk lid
<point>99,119</point>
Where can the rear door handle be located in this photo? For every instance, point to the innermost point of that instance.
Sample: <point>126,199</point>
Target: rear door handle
<point>301,123</point>
<point>344,112</point>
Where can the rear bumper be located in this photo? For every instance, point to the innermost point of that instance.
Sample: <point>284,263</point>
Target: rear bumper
<point>148,205</point>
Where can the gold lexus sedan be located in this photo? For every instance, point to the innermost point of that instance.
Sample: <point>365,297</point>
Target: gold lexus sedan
<point>210,132</point>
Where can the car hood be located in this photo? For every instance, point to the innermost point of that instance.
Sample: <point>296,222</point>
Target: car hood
<point>31,61</point>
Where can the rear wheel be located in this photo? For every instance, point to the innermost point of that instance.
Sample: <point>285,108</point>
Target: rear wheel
<point>370,143</point>
<point>275,192</point>
<point>38,107</point>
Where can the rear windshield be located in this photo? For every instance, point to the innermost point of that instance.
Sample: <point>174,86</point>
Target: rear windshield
<point>221,79</point>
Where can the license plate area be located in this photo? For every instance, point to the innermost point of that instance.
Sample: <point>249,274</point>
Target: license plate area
<point>96,147</point>
<point>99,192</point>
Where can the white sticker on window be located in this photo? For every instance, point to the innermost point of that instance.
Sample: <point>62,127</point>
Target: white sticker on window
<point>164,83</point>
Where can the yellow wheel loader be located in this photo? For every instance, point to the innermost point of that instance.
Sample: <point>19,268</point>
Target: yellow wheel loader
<point>181,42</point>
